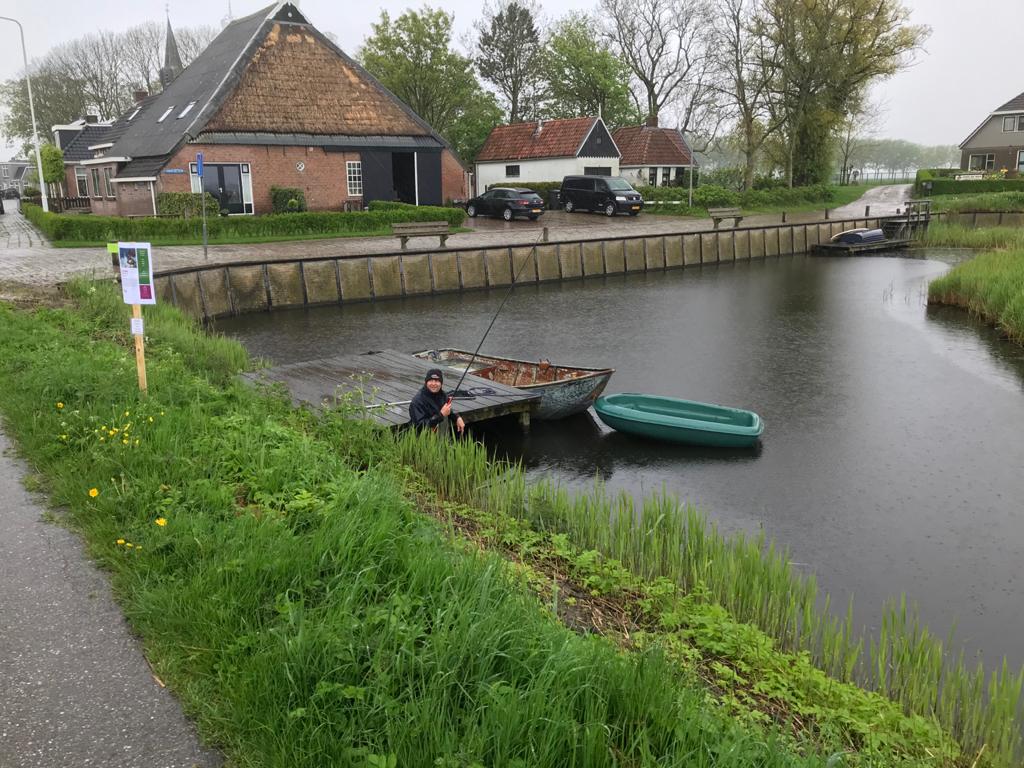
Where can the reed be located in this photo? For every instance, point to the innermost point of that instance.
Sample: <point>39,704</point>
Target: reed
<point>992,201</point>
<point>942,235</point>
<point>754,581</point>
<point>991,286</point>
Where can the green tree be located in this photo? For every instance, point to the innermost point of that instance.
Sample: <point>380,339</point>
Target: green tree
<point>413,58</point>
<point>583,76</point>
<point>509,55</point>
<point>53,163</point>
<point>58,100</point>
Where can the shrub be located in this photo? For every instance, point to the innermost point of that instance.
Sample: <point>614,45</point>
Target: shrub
<point>943,183</point>
<point>185,204</point>
<point>713,196</point>
<point>728,178</point>
<point>102,229</point>
<point>542,188</point>
<point>287,200</point>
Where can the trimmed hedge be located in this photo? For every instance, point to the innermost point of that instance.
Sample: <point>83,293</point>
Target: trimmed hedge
<point>287,200</point>
<point>185,204</point>
<point>943,183</point>
<point>103,229</point>
<point>542,188</point>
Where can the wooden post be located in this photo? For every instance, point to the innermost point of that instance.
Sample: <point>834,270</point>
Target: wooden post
<point>140,350</point>
<point>867,211</point>
<point>783,217</point>
<point>826,214</point>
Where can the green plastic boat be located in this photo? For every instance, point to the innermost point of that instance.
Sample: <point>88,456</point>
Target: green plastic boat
<point>680,421</point>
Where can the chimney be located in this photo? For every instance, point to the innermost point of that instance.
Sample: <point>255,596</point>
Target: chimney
<point>140,96</point>
<point>539,128</point>
<point>651,121</point>
<point>91,119</point>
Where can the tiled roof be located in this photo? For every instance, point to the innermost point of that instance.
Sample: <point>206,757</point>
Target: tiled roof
<point>520,141</point>
<point>646,145</point>
<point>90,135</point>
<point>147,166</point>
<point>1014,104</point>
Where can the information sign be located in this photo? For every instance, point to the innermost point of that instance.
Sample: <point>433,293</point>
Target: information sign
<point>136,263</point>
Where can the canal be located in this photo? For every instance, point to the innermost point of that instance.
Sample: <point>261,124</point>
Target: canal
<point>892,455</point>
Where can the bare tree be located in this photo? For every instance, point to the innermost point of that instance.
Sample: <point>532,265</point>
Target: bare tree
<point>97,62</point>
<point>141,48</point>
<point>193,40</point>
<point>665,45</point>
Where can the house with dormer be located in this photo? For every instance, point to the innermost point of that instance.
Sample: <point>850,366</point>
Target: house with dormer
<point>271,102</point>
<point>998,142</point>
<point>546,150</point>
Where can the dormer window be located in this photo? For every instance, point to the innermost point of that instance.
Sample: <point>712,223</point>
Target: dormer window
<point>166,113</point>
<point>186,110</point>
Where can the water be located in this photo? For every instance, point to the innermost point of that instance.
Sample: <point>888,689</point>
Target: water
<point>892,454</point>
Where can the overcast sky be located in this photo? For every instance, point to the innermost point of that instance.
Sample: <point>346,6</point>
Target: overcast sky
<point>964,72</point>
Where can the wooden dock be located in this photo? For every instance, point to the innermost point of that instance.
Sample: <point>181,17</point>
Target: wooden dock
<point>379,386</point>
<point>855,249</point>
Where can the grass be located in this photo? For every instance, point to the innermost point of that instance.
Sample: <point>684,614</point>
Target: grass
<point>990,285</point>
<point>307,612</point>
<point>241,239</point>
<point>943,235</point>
<point>992,201</point>
<point>841,195</point>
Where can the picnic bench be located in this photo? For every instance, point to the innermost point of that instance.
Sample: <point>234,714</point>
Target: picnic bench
<point>717,214</point>
<point>420,229</point>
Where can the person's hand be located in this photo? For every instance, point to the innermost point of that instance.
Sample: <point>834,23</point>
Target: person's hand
<point>446,409</point>
<point>460,425</point>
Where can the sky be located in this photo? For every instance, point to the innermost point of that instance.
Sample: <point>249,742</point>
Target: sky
<point>962,74</point>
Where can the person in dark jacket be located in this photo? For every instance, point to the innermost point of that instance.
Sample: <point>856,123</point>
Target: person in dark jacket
<point>431,407</point>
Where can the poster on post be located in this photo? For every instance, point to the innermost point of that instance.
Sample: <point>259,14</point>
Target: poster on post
<point>136,263</point>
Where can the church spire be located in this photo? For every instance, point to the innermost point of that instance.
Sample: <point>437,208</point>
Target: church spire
<point>172,59</point>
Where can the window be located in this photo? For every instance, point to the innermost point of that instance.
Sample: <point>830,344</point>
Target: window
<point>1020,122</point>
<point>95,182</point>
<point>354,171</point>
<point>7,172</point>
<point>1020,161</point>
<point>82,181</point>
<point>652,176</point>
<point>107,183</point>
<point>1009,124</point>
<point>186,110</point>
<point>165,114</point>
<point>598,170</point>
<point>512,171</point>
<point>982,162</point>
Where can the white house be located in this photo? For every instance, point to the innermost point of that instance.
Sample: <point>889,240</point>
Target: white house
<point>546,150</point>
<point>653,156</point>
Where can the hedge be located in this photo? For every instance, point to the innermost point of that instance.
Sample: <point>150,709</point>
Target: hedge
<point>102,229</point>
<point>943,183</point>
<point>185,204</point>
<point>287,200</point>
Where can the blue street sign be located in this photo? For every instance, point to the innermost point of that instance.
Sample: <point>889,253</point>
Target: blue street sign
<point>199,164</point>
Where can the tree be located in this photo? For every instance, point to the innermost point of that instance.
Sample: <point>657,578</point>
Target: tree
<point>664,43</point>
<point>193,40</point>
<point>412,57</point>
<point>583,76</point>
<point>509,56</point>
<point>53,163</point>
<point>822,54</point>
<point>58,100</point>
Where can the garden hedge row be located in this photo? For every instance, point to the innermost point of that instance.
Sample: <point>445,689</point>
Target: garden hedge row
<point>102,229</point>
<point>943,183</point>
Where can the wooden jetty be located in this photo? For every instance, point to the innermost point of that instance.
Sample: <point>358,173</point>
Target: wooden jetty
<point>379,386</point>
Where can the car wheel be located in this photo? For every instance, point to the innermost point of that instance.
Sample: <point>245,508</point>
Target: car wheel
<point>569,207</point>
<point>507,214</point>
<point>471,211</point>
<point>609,209</point>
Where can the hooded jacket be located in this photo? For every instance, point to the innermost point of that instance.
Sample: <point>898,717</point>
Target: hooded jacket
<point>425,408</point>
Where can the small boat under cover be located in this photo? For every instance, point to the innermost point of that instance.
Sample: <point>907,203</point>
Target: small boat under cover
<point>680,421</point>
<point>564,390</point>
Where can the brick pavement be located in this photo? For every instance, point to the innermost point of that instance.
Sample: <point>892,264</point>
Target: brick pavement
<point>32,262</point>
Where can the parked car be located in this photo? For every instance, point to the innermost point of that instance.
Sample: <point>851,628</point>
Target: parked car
<point>12,194</point>
<point>507,202</point>
<point>608,194</point>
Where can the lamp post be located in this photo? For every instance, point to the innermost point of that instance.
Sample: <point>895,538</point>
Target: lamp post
<point>32,110</point>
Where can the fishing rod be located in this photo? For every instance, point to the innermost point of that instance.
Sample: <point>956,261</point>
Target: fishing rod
<point>508,293</point>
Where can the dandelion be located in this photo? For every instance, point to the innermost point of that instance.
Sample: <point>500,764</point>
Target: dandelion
<point>161,521</point>
<point>161,413</point>
<point>59,406</point>
<point>128,545</point>
<point>150,419</point>
<point>136,441</point>
<point>127,413</point>
<point>94,492</point>
<point>112,432</point>
<point>120,541</point>
<point>125,441</point>
<point>64,437</point>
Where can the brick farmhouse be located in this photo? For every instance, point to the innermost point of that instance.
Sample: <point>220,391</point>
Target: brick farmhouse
<point>271,102</point>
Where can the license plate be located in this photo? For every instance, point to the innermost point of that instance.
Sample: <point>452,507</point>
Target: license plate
<point>535,210</point>
<point>636,207</point>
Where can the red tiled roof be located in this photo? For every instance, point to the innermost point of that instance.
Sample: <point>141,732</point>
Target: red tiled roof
<point>557,138</point>
<point>1013,104</point>
<point>646,145</point>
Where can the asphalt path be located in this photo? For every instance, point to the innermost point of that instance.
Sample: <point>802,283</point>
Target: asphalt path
<point>75,688</point>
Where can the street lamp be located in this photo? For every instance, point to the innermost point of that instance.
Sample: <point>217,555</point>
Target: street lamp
<point>32,110</point>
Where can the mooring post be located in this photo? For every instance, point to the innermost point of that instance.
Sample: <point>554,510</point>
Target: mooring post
<point>826,214</point>
<point>783,217</point>
<point>544,235</point>
<point>524,420</point>
<point>867,211</point>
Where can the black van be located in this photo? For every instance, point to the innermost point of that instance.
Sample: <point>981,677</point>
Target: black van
<point>609,194</point>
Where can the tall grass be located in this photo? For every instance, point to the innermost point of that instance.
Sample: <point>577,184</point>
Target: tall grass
<point>992,201</point>
<point>942,235</point>
<point>990,285</point>
<point>754,581</point>
<point>302,610</point>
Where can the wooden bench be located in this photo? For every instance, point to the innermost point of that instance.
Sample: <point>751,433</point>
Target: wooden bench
<point>717,214</point>
<point>420,229</point>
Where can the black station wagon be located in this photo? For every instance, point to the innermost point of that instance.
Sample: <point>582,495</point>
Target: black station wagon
<point>507,202</point>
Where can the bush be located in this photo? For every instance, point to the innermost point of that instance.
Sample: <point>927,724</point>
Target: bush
<point>287,200</point>
<point>943,183</point>
<point>713,196</point>
<point>103,229</point>
<point>186,204</point>
<point>727,178</point>
<point>542,188</point>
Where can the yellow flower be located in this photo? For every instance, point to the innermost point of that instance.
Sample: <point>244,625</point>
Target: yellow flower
<point>150,419</point>
<point>128,544</point>
<point>127,413</point>
<point>120,541</point>
<point>112,432</point>
<point>161,521</point>
<point>125,441</point>
<point>94,492</point>
<point>63,437</point>
<point>59,406</point>
<point>161,413</point>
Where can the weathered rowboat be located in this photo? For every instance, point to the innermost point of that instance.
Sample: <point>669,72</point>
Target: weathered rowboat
<point>564,390</point>
<point>680,421</point>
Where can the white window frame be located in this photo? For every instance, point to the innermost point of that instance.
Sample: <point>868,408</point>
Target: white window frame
<point>987,164</point>
<point>95,185</point>
<point>354,178</point>
<point>1012,120</point>
<point>81,181</point>
<point>1020,160</point>
<point>245,171</point>
<point>7,172</point>
<point>186,110</point>
<point>108,185</point>
<point>165,114</point>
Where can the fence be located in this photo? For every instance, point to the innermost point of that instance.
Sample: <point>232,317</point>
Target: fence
<point>62,204</point>
<point>865,177</point>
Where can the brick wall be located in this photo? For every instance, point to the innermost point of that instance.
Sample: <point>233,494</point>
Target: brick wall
<point>322,178</point>
<point>134,198</point>
<point>453,178</point>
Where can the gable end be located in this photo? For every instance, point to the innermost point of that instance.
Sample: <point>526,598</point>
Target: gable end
<point>598,143</point>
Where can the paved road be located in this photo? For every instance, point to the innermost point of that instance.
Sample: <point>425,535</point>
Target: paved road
<point>38,264</point>
<point>75,690</point>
